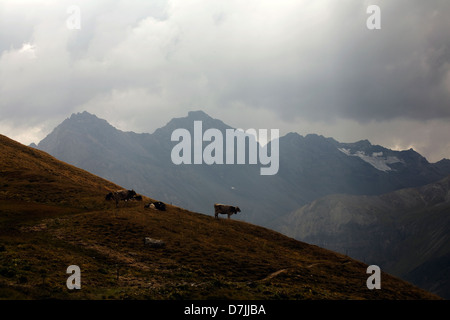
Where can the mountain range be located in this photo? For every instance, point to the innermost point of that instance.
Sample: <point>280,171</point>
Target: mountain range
<point>311,167</point>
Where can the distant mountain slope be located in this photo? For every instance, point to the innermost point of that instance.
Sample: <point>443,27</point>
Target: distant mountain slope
<point>53,215</point>
<point>405,232</point>
<point>310,167</point>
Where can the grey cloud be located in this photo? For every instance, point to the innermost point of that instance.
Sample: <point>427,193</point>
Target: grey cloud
<point>401,71</point>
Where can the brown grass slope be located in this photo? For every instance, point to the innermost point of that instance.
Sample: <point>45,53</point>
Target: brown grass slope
<point>53,215</point>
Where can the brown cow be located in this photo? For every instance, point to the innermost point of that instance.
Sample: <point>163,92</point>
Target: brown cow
<point>225,209</point>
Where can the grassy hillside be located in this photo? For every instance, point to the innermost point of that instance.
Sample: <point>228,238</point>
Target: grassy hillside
<point>53,215</point>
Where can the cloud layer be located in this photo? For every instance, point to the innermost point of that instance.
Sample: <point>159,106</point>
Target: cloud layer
<point>306,66</point>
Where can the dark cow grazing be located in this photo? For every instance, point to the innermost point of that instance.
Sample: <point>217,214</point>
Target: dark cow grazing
<point>225,209</point>
<point>156,205</point>
<point>109,196</point>
<point>160,205</point>
<point>120,195</point>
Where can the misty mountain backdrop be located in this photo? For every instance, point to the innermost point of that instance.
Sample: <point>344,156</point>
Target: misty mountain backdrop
<point>311,167</point>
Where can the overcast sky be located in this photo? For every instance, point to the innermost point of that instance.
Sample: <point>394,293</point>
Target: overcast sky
<point>307,66</point>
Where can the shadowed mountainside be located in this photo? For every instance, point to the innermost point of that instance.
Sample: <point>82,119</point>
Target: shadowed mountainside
<point>405,232</point>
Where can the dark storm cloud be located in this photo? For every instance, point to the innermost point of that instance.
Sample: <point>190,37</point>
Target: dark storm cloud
<point>401,71</point>
<point>346,71</point>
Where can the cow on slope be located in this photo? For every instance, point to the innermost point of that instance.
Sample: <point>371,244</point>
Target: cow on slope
<point>225,209</point>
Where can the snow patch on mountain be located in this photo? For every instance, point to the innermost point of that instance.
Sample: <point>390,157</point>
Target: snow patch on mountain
<point>376,159</point>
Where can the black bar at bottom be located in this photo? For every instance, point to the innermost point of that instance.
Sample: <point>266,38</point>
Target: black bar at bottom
<point>232,309</point>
